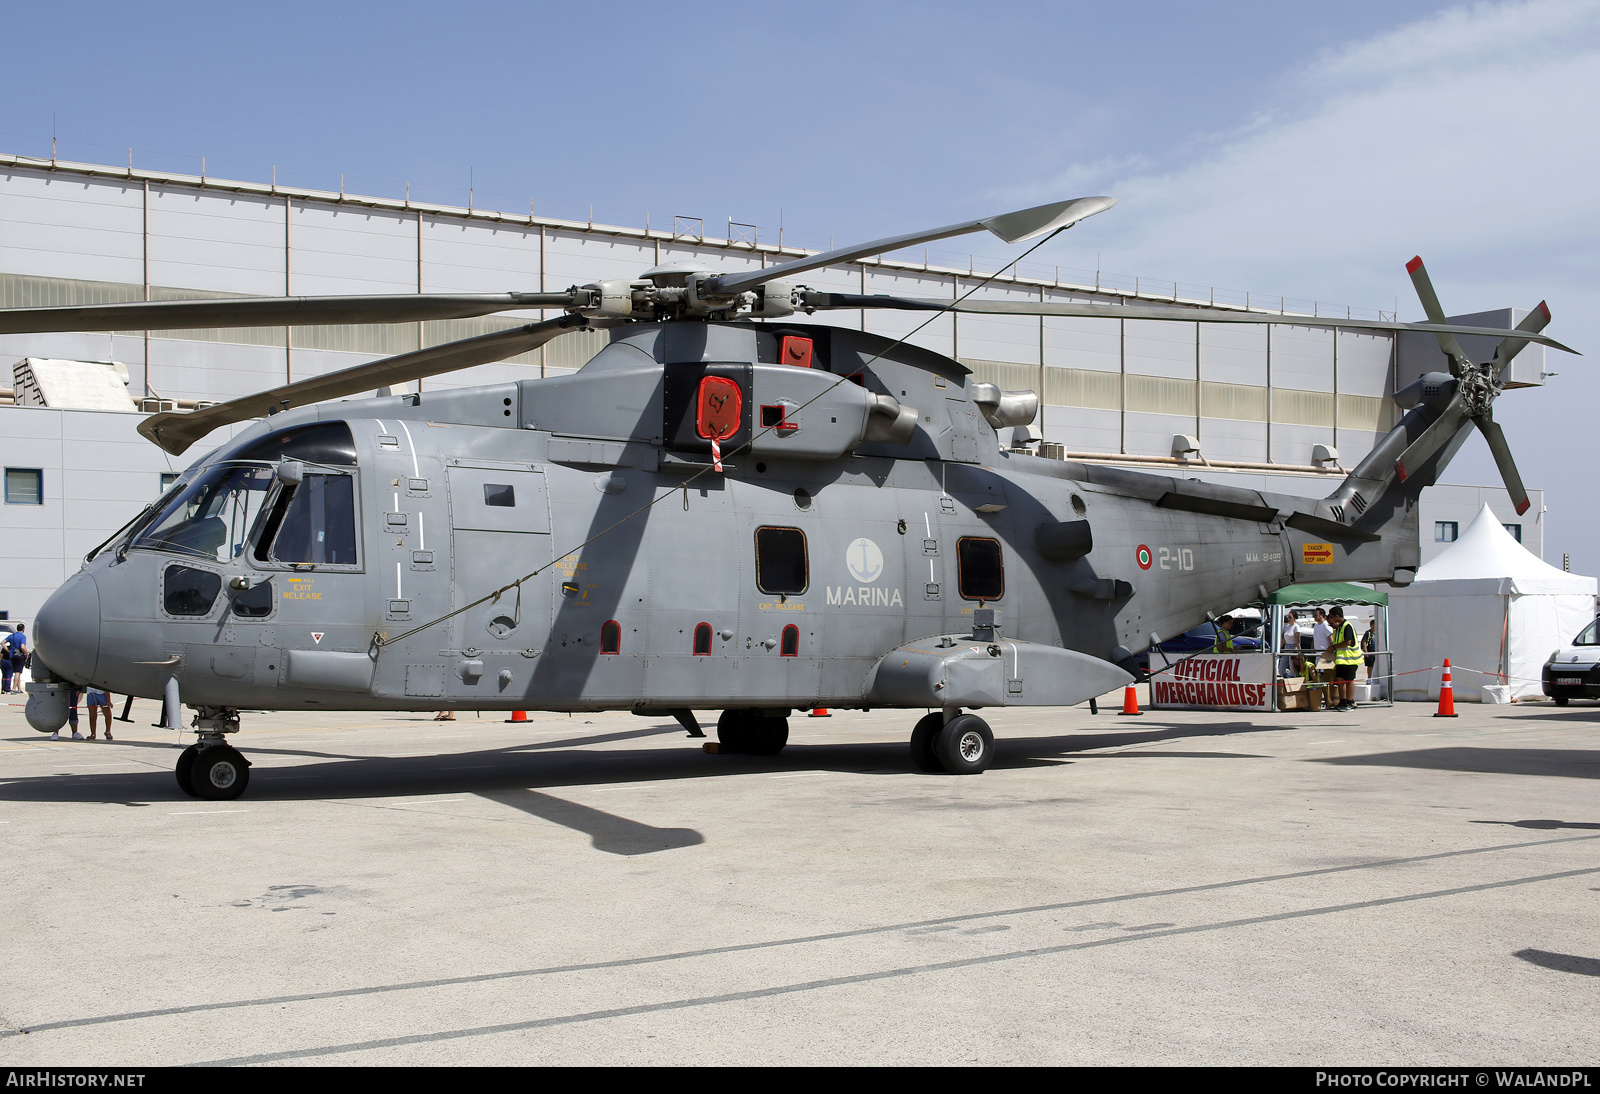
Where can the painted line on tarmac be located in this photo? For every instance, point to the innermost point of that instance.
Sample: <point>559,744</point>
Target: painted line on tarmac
<point>869,977</point>
<point>832,936</point>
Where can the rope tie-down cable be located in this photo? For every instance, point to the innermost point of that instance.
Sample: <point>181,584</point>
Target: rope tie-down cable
<point>380,640</point>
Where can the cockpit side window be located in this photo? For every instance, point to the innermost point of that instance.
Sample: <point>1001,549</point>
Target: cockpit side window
<point>318,523</point>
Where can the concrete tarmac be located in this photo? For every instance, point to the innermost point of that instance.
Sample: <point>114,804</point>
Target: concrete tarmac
<point>1381,887</point>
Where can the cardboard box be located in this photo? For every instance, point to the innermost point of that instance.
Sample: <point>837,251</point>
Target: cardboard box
<point>1298,694</point>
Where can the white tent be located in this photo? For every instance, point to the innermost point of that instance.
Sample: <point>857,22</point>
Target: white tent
<point>1490,606</point>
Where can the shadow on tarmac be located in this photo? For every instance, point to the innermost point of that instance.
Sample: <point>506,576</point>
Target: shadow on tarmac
<point>1571,763</point>
<point>526,766</point>
<point>1561,962</point>
<point>1542,824</point>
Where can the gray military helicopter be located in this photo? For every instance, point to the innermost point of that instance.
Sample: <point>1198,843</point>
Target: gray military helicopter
<point>721,510</point>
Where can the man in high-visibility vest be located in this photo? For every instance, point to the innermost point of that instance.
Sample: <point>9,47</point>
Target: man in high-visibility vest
<point>1223,643</point>
<point>1346,658</point>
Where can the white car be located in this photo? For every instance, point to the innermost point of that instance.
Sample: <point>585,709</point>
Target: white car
<point>1571,672</point>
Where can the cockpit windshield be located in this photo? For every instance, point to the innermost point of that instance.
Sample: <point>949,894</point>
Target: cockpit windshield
<point>214,516</point>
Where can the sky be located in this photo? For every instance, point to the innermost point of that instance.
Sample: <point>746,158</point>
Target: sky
<point>1302,150</point>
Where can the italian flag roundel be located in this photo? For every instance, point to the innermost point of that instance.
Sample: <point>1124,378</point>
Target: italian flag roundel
<point>1144,557</point>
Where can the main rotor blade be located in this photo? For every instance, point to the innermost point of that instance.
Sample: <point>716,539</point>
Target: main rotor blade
<point>1011,227</point>
<point>1502,458</point>
<point>175,431</point>
<point>1435,313</point>
<point>824,301</point>
<point>1510,346</point>
<point>270,311</point>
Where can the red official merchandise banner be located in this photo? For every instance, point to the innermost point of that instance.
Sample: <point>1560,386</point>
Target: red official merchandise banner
<point>1215,681</point>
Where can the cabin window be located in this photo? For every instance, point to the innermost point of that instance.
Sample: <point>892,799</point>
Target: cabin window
<point>981,568</point>
<point>611,637</point>
<point>790,645</point>
<point>254,602</point>
<point>781,560</point>
<point>702,640</point>
<point>499,494</point>
<point>187,591</point>
<point>319,523</point>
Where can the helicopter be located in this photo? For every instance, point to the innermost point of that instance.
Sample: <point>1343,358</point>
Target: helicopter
<point>725,509</point>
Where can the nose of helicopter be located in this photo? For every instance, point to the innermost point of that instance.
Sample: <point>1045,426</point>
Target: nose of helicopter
<point>67,629</point>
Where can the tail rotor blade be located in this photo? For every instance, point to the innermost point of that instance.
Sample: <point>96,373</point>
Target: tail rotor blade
<point>1435,437</point>
<point>1502,457</point>
<point>1534,322</point>
<point>1435,312</point>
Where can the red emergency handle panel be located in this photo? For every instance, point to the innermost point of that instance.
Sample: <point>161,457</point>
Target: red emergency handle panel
<point>719,407</point>
<point>795,350</point>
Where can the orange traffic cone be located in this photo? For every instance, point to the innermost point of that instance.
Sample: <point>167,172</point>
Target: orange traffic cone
<point>1130,701</point>
<point>820,712</point>
<point>1447,694</point>
<point>518,716</point>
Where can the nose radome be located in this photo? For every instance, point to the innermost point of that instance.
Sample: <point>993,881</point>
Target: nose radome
<point>67,629</point>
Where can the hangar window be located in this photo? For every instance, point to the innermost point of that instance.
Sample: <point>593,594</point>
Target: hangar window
<point>790,646</point>
<point>24,486</point>
<point>981,568</point>
<point>1445,531</point>
<point>781,560</point>
<point>702,640</point>
<point>187,591</point>
<point>611,637</point>
<point>1515,530</point>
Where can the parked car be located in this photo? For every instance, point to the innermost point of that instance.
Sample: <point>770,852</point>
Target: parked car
<point>1573,671</point>
<point>1203,639</point>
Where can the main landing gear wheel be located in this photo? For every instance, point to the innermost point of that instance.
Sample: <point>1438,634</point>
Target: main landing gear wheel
<point>923,757</point>
<point>185,769</point>
<point>964,745</point>
<point>752,733</point>
<point>219,773</point>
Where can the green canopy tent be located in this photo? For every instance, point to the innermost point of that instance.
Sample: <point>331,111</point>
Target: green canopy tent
<point>1327,595</point>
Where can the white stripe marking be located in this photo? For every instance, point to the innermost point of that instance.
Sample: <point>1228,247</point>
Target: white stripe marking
<point>415,470</point>
<point>928,524</point>
<point>422,539</point>
<point>398,595</point>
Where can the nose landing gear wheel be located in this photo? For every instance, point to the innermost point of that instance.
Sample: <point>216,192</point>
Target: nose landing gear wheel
<point>964,745</point>
<point>923,757</point>
<point>219,773</point>
<point>185,769</point>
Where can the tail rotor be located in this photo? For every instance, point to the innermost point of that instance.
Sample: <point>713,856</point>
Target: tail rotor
<point>1478,385</point>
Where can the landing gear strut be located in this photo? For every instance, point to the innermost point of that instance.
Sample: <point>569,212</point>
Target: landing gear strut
<point>961,744</point>
<point>210,768</point>
<point>753,732</point>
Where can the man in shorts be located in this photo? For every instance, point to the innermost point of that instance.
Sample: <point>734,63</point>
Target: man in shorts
<point>99,703</point>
